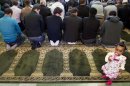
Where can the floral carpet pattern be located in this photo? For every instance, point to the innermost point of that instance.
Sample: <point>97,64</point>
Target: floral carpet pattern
<point>65,63</point>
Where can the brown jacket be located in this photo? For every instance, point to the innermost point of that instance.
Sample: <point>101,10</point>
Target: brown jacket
<point>25,11</point>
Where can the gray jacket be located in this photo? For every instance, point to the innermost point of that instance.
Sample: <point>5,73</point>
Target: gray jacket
<point>111,30</point>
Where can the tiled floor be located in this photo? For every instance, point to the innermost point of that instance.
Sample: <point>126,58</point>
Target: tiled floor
<point>63,84</point>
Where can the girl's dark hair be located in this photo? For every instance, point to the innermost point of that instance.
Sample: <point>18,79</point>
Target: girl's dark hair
<point>122,44</point>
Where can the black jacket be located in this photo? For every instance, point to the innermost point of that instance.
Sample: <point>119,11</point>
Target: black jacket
<point>44,12</point>
<point>124,15</point>
<point>72,26</point>
<point>54,28</point>
<point>90,28</point>
<point>34,24</point>
<point>83,11</point>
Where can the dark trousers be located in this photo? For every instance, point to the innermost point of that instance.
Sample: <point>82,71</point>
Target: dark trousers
<point>18,41</point>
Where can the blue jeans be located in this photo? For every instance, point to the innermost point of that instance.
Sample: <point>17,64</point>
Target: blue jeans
<point>36,41</point>
<point>18,41</point>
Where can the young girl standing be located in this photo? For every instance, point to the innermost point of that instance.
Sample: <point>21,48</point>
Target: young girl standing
<point>115,63</point>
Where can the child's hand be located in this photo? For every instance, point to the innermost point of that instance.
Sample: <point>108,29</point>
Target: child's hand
<point>110,58</point>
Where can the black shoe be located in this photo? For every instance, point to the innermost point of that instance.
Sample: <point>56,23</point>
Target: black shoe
<point>33,44</point>
<point>38,44</point>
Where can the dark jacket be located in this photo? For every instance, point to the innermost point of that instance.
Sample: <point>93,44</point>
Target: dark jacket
<point>83,11</point>
<point>72,26</point>
<point>90,28</point>
<point>124,15</point>
<point>34,25</point>
<point>54,28</point>
<point>70,3</point>
<point>111,30</point>
<point>44,12</point>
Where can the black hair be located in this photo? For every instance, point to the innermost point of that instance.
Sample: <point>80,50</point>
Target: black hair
<point>93,12</point>
<point>122,44</point>
<point>73,10</point>
<point>8,11</point>
<point>82,1</point>
<point>112,13</point>
<point>15,2</point>
<point>36,6</point>
<point>27,2</point>
<point>57,10</point>
<point>6,5</point>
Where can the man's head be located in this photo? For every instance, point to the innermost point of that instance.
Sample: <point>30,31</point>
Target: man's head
<point>92,12</point>
<point>27,2</point>
<point>112,13</point>
<point>82,2</point>
<point>57,11</point>
<point>8,12</point>
<point>15,2</point>
<point>73,11</point>
<point>43,2</point>
<point>36,8</point>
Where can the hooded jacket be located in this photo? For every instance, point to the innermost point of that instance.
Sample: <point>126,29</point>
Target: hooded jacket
<point>111,30</point>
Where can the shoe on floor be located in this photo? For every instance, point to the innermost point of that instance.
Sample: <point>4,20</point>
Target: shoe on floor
<point>71,42</point>
<point>109,83</point>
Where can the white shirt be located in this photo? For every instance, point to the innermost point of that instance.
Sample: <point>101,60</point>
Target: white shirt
<point>60,5</point>
<point>108,9</point>
<point>16,13</point>
<point>98,5</point>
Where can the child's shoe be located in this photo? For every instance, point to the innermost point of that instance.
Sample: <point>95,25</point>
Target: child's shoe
<point>109,82</point>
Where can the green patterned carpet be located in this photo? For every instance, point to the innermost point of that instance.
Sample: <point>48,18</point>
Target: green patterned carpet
<point>66,63</point>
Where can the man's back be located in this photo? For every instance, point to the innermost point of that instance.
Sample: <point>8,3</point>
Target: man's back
<point>9,29</point>
<point>16,13</point>
<point>90,28</point>
<point>124,15</point>
<point>83,11</point>
<point>111,31</point>
<point>54,23</point>
<point>25,11</point>
<point>72,28</point>
<point>34,25</point>
<point>54,26</point>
